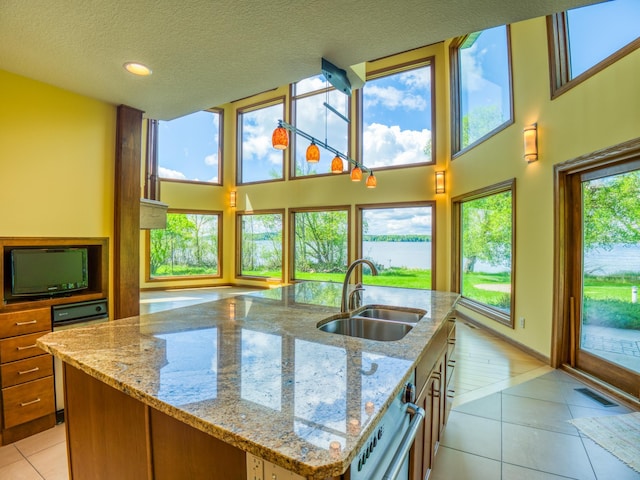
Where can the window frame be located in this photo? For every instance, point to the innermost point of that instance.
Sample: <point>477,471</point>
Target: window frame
<point>456,102</point>
<point>252,108</point>
<point>456,251</point>
<point>559,56</point>
<point>360,208</point>
<point>292,235</point>
<point>150,279</point>
<point>388,71</point>
<point>238,249</point>
<point>152,175</point>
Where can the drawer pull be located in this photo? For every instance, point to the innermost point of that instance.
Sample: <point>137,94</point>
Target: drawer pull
<point>35,369</point>
<point>27,347</point>
<point>30,322</point>
<point>26,404</point>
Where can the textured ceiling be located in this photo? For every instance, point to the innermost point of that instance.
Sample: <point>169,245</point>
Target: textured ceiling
<point>208,52</point>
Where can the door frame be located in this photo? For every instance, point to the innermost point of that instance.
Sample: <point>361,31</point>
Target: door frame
<point>563,350</point>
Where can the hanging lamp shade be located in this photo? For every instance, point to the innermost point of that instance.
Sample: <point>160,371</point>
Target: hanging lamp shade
<point>371,181</point>
<point>313,153</point>
<point>336,165</point>
<point>280,138</point>
<point>356,174</point>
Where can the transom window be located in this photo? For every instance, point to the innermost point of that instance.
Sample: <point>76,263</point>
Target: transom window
<point>399,241</point>
<point>189,246</point>
<point>586,40</point>
<point>258,161</point>
<point>320,244</point>
<point>190,148</point>
<point>311,116</point>
<point>481,86</point>
<point>397,117</point>
<point>484,232</point>
<point>260,239</point>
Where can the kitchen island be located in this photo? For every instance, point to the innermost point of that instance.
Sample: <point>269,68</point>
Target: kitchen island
<point>189,391</point>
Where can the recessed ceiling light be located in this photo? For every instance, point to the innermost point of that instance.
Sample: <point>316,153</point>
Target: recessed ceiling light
<point>137,69</point>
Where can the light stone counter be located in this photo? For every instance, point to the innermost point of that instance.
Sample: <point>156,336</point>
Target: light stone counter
<point>255,372</point>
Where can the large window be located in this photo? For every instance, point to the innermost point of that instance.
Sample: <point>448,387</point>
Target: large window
<point>190,148</point>
<point>258,161</point>
<point>320,244</point>
<point>311,116</point>
<point>397,117</point>
<point>481,86</point>
<point>260,239</point>
<point>399,241</point>
<point>188,247</point>
<point>484,232</point>
<point>587,39</point>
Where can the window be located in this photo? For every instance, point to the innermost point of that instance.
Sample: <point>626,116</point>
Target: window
<point>481,87</point>
<point>311,116</point>
<point>188,247</point>
<point>190,148</point>
<point>320,244</point>
<point>586,40</point>
<point>260,240</point>
<point>258,161</point>
<point>484,232</point>
<point>398,240</point>
<point>397,117</point>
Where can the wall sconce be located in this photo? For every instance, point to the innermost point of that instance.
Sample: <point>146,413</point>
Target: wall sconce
<point>233,195</point>
<point>531,143</point>
<point>440,182</point>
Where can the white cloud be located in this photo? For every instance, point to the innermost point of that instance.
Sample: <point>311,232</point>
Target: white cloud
<point>168,173</point>
<point>384,145</point>
<point>211,160</point>
<point>392,98</point>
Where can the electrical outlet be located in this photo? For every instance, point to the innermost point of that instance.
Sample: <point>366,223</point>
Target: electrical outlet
<point>521,322</point>
<point>255,468</point>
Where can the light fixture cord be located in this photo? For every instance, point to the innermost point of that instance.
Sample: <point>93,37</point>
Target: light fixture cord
<point>326,84</point>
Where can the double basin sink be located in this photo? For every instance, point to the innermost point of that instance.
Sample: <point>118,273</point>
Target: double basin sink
<point>374,322</point>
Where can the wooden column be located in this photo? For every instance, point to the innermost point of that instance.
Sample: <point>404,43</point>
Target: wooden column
<point>126,262</point>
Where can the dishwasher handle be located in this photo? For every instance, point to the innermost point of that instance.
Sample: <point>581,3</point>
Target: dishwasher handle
<point>407,441</point>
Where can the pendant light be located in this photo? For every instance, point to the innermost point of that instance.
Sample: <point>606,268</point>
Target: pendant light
<point>313,153</point>
<point>356,174</point>
<point>371,181</point>
<point>280,138</point>
<point>336,165</point>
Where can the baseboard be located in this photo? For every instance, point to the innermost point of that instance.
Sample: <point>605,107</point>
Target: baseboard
<point>528,350</point>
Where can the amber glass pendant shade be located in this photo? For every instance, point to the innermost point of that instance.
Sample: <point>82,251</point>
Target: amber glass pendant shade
<point>280,138</point>
<point>336,165</point>
<point>371,181</point>
<point>356,174</point>
<point>313,153</point>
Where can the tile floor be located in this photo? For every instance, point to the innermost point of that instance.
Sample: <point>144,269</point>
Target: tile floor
<point>498,429</point>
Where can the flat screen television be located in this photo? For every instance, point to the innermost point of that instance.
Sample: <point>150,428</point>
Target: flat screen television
<point>48,271</point>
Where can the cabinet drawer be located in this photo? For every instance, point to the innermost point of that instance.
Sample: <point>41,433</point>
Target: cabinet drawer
<point>23,322</point>
<point>28,401</point>
<point>24,371</point>
<point>18,348</point>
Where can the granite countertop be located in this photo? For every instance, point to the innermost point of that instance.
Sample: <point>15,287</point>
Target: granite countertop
<point>255,372</point>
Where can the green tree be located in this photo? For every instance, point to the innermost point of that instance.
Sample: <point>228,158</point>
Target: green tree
<point>166,244</point>
<point>321,241</point>
<point>479,122</point>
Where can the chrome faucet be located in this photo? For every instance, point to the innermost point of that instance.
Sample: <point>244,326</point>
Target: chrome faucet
<point>343,304</point>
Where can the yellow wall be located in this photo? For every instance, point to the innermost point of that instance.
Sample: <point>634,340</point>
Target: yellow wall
<point>56,161</point>
<point>600,112</point>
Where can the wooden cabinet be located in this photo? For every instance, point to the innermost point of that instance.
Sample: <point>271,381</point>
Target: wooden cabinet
<point>435,396</point>
<point>27,403</point>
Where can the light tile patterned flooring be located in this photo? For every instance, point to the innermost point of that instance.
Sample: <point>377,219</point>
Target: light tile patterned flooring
<point>508,421</point>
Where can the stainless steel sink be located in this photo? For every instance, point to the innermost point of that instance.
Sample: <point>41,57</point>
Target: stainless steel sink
<point>374,323</point>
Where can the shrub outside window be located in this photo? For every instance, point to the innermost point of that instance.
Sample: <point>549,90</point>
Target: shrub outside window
<point>258,161</point>
<point>586,40</point>
<point>484,235</point>
<point>397,117</point>
<point>320,244</point>
<point>190,147</point>
<point>260,237</point>
<point>398,240</point>
<point>481,86</point>
<point>311,116</point>
<point>188,247</point>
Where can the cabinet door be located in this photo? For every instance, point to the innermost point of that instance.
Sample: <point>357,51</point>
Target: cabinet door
<point>25,321</point>
<point>27,402</point>
<point>421,456</point>
<point>24,371</point>
<point>18,348</point>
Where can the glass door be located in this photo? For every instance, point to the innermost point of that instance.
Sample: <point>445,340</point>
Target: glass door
<point>605,305</point>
